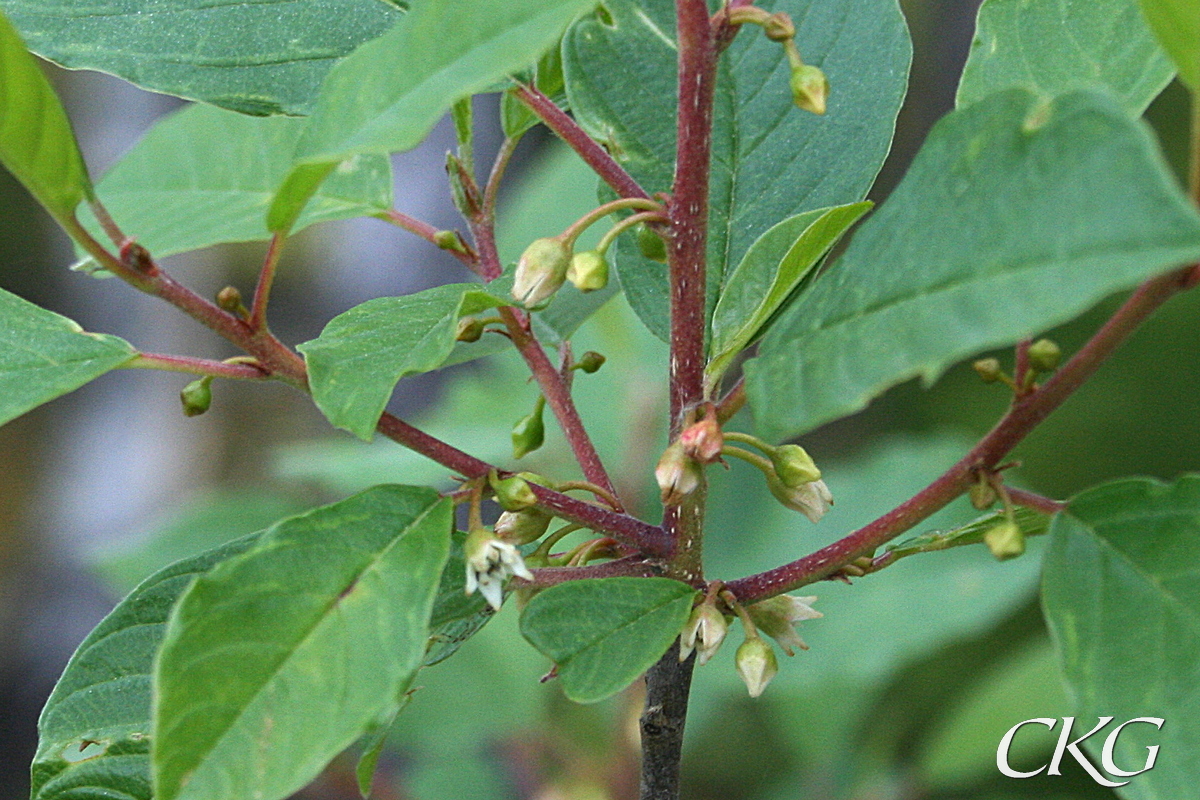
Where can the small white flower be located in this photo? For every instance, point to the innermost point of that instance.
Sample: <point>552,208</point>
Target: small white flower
<point>811,499</point>
<point>778,616</point>
<point>491,562</point>
<point>707,627</point>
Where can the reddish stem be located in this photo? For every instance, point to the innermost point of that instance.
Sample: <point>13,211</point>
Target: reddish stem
<point>428,233</point>
<point>569,131</point>
<point>1024,415</point>
<point>197,366</point>
<point>630,566</point>
<point>266,279</point>
<point>1035,501</point>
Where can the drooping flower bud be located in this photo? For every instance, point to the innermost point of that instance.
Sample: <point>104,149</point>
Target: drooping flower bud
<point>490,562</point>
<point>523,527</point>
<point>651,245</point>
<point>529,432</point>
<point>1006,540</point>
<point>988,369</point>
<point>794,466</point>
<point>704,632</point>
<point>703,440</point>
<point>588,271</point>
<point>810,499</point>
<point>196,396</point>
<point>469,329</point>
<point>756,664</point>
<point>1044,355</point>
<point>541,271</point>
<point>777,617</point>
<point>810,88</point>
<point>512,493</point>
<point>982,495</point>
<point>591,361</point>
<point>678,475</point>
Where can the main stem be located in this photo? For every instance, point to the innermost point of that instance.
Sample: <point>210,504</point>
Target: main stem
<point>669,681</point>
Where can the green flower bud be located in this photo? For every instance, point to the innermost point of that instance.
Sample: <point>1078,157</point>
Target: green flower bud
<point>590,362</point>
<point>523,527</point>
<point>812,499</point>
<point>529,432</point>
<point>230,299</point>
<point>469,329</point>
<point>794,466</point>
<point>1006,540</point>
<point>513,493</point>
<point>1044,355</point>
<point>756,664</point>
<point>541,271</point>
<point>588,271</point>
<point>651,244</point>
<point>982,495</point>
<point>197,396</point>
<point>988,369</point>
<point>810,88</point>
<point>450,240</point>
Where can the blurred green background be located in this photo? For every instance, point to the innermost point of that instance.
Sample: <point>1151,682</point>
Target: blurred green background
<point>914,673</point>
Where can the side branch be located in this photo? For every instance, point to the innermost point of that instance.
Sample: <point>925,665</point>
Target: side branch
<point>646,538</point>
<point>1023,416</point>
<point>569,131</point>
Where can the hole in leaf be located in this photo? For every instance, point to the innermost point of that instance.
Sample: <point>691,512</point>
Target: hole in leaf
<point>83,750</point>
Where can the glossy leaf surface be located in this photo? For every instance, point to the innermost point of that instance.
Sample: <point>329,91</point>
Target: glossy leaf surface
<point>44,355</point>
<point>265,57</point>
<point>278,659</point>
<point>205,175</point>
<point>604,633</point>
<point>1051,47</point>
<point>36,141</point>
<point>355,363</point>
<point>768,275</point>
<point>1177,25</point>
<point>1121,592</point>
<point>770,160</point>
<point>1014,217</point>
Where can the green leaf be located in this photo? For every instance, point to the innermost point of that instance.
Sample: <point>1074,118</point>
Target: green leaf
<point>603,633</point>
<point>204,176</point>
<point>278,659</point>
<point>95,729</point>
<point>265,57</point>
<point>36,142</point>
<point>1030,521</point>
<point>44,355</point>
<point>389,94</point>
<point>769,275</point>
<point>1121,592</point>
<point>354,364</point>
<point>1014,217</point>
<point>1050,48</point>
<point>770,160</point>
<point>1176,23</point>
<point>190,527</point>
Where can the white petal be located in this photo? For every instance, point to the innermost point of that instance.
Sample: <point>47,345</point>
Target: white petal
<point>492,591</point>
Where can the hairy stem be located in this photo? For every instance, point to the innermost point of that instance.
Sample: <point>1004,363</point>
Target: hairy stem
<point>569,131</point>
<point>558,397</point>
<point>197,366</point>
<point>1023,416</point>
